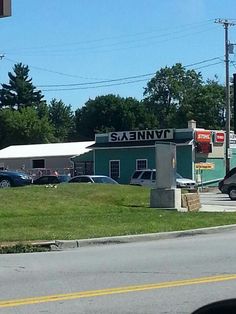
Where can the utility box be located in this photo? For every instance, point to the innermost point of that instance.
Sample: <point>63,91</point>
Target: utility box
<point>165,195</point>
<point>5,8</point>
<point>166,165</point>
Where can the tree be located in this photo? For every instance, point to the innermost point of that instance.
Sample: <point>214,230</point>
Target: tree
<point>61,117</point>
<point>167,90</point>
<point>206,105</point>
<point>111,113</point>
<point>20,92</point>
<point>24,127</point>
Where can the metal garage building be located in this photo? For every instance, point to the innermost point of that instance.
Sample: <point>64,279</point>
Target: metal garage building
<point>44,158</point>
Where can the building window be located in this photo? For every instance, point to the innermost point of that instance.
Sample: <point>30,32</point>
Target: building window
<point>38,163</point>
<point>141,164</point>
<point>114,169</point>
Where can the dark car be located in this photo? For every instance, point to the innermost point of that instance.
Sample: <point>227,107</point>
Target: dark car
<point>13,178</point>
<point>92,179</point>
<point>51,179</point>
<point>228,184</point>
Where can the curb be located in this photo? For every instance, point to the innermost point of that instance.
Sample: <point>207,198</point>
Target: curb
<point>71,244</point>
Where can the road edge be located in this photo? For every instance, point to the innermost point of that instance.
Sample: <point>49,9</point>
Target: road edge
<point>69,244</point>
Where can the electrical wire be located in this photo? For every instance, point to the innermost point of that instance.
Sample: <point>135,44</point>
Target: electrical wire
<point>166,32</point>
<point>114,84</point>
<point>122,78</point>
<point>52,71</point>
<point>101,80</point>
<point>100,49</point>
<point>233,63</point>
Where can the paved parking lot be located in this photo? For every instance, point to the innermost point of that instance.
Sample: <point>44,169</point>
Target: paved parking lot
<point>216,201</point>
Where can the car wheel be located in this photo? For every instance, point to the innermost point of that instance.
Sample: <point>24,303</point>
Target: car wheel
<point>232,193</point>
<point>5,183</point>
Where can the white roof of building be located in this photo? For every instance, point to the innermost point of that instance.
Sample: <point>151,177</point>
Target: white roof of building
<point>45,150</point>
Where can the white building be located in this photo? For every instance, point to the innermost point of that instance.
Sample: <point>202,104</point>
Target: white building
<point>42,157</point>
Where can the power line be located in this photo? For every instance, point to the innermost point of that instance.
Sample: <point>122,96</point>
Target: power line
<point>118,83</point>
<point>93,87</point>
<point>84,85</point>
<point>52,71</point>
<point>122,78</point>
<point>206,66</point>
<point>92,78</point>
<point>233,63</point>
<point>99,49</point>
<point>166,32</point>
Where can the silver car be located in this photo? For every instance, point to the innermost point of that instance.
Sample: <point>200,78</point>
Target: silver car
<point>92,179</point>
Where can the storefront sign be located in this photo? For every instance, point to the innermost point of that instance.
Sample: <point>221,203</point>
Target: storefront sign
<point>203,136</point>
<point>219,137</point>
<point>144,135</point>
<point>205,166</point>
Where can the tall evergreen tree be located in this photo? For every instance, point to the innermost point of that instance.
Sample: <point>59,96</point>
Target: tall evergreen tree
<point>20,92</point>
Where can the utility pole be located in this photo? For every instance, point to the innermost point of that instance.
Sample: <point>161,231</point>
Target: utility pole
<point>226,23</point>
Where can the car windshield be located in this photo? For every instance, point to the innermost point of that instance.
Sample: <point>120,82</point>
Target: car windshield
<point>178,176</point>
<point>230,173</point>
<point>104,180</point>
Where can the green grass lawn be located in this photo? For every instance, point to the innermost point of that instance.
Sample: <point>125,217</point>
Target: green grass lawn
<point>76,211</point>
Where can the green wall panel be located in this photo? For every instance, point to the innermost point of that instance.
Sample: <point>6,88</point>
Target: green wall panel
<point>184,161</point>
<point>127,159</point>
<point>233,159</point>
<point>212,175</point>
<point>84,157</point>
<point>128,156</point>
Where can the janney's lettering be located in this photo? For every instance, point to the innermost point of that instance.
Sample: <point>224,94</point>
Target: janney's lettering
<point>124,137</point>
<point>132,136</point>
<point>113,137</point>
<point>159,133</point>
<point>143,135</point>
<point>150,135</point>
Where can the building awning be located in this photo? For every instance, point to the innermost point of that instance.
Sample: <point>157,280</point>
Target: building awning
<point>137,144</point>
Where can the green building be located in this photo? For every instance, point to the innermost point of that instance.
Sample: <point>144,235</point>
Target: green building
<point>199,153</point>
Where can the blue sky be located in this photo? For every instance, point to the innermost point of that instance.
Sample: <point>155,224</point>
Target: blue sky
<point>80,41</point>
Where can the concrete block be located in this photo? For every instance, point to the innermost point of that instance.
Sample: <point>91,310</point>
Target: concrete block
<point>165,198</point>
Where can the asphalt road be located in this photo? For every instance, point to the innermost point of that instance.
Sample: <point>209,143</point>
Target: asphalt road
<point>216,201</point>
<point>165,276</point>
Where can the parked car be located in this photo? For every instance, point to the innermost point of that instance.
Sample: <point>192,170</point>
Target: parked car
<point>182,182</point>
<point>92,179</point>
<point>147,177</point>
<point>13,178</point>
<point>51,179</point>
<point>228,184</point>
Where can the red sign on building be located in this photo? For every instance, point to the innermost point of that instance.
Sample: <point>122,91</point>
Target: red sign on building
<point>203,136</point>
<point>219,137</point>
